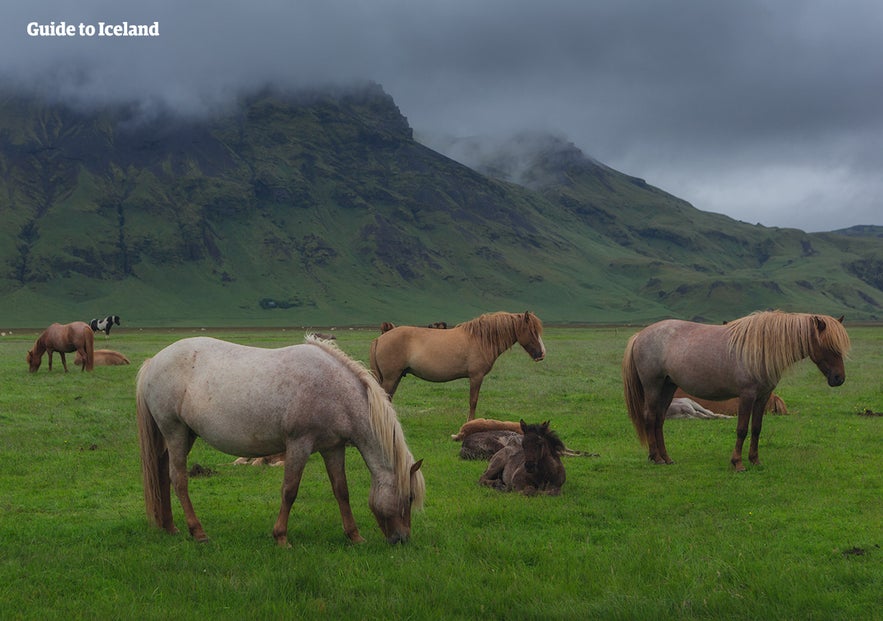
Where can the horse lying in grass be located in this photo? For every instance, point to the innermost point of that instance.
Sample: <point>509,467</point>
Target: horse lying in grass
<point>744,358</point>
<point>253,402</point>
<point>466,350</point>
<point>682,407</point>
<point>532,466</point>
<point>104,357</point>
<point>730,407</point>
<point>64,339</point>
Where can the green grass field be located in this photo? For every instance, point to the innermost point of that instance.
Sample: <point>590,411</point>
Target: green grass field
<point>798,537</point>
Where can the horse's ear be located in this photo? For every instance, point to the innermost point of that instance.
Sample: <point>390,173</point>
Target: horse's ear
<point>545,425</point>
<point>416,466</point>
<point>523,425</point>
<point>842,317</point>
<point>820,324</point>
<point>527,315</point>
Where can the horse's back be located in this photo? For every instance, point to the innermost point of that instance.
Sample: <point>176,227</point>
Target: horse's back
<point>429,353</point>
<point>694,356</point>
<point>246,400</point>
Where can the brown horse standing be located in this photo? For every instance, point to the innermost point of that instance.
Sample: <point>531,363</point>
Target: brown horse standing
<point>744,358</point>
<point>64,339</point>
<point>466,350</point>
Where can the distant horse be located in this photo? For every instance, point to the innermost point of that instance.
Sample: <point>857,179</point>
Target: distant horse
<point>63,338</point>
<point>684,407</point>
<point>253,402</point>
<point>386,326</point>
<point>104,357</point>
<point>438,325</point>
<point>744,358</point>
<point>531,466</point>
<point>466,350</point>
<point>105,324</point>
<point>730,407</point>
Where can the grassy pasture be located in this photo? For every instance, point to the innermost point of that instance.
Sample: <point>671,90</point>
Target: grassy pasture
<point>798,537</point>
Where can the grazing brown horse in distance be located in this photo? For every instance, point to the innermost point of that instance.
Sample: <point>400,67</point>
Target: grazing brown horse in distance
<point>744,358</point>
<point>466,350</point>
<point>104,357</point>
<point>730,407</point>
<point>64,339</point>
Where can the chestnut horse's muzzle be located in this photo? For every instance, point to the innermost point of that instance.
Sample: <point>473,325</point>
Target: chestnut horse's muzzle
<point>835,379</point>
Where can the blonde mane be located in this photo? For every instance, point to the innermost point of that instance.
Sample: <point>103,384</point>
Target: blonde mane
<point>769,342</point>
<point>497,332</point>
<point>384,424</point>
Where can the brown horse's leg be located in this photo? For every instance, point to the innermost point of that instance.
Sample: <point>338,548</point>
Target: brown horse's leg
<point>295,460</point>
<point>746,405</point>
<point>63,361</point>
<point>335,465</point>
<point>756,425</point>
<point>390,385</point>
<point>50,359</point>
<point>655,406</point>
<point>474,386</point>
<point>492,476</point>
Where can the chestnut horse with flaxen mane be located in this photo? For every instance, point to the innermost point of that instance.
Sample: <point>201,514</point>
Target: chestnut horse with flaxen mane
<point>466,350</point>
<point>744,358</point>
<point>64,339</point>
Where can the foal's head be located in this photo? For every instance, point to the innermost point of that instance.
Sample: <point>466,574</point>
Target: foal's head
<point>540,445</point>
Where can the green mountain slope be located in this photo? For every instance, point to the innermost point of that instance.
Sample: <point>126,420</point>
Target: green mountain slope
<point>320,209</point>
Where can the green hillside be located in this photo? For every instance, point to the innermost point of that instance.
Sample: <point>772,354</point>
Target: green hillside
<point>322,209</point>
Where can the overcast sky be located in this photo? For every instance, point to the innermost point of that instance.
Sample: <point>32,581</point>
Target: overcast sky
<point>767,111</point>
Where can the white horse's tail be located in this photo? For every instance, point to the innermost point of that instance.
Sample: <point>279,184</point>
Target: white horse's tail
<point>154,457</point>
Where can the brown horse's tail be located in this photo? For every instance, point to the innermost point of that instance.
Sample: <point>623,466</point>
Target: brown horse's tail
<point>89,346</point>
<point>154,457</point>
<point>375,368</point>
<point>634,391</point>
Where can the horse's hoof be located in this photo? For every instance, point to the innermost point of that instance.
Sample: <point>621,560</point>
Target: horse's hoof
<point>282,542</point>
<point>738,466</point>
<point>356,538</point>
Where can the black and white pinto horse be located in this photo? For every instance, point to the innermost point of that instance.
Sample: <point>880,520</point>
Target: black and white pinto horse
<point>105,324</point>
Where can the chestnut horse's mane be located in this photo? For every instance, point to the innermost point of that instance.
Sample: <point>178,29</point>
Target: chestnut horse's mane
<point>769,342</point>
<point>384,423</point>
<point>497,332</point>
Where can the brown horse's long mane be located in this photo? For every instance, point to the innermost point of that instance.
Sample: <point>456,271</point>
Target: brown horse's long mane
<point>384,423</point>
<point>497,332</point>
<point>769,342</point>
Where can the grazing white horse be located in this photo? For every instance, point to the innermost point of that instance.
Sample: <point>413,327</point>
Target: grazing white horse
<point>252,402</point>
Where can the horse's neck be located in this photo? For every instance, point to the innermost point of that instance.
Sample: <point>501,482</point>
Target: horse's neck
<point>382,472</point>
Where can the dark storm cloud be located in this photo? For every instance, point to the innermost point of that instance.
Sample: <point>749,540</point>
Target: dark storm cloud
<point>766,111</point>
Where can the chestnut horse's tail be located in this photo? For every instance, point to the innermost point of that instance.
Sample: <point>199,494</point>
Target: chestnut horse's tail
<point>375,368</point>
<point>89,346</point>
<point>634,391</point>
<point>154,457</point>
